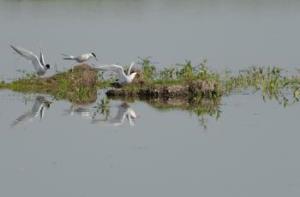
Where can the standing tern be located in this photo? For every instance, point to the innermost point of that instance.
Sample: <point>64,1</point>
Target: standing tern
<point>122,77</point>
<point>80,58</point>
<point>39,63</point>
<point>37,110</point>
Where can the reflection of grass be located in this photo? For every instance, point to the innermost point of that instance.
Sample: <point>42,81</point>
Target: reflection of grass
<point>102,108</point>
<point>188,87</point>
<point>201,107</point>
<point>198,90</point>
<point>186,80</point>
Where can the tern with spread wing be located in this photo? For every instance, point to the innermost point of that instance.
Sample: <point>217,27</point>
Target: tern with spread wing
<point>80,58</point>
<point>37,111</point>
<point>38,62</point>
<point>122,77</point>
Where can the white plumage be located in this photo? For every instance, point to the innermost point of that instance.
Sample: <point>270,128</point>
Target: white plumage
<point>122,77</point>
<point>124,112</point>
<point>37,110</point>
<point>80,58</point>
<point>38,62</point>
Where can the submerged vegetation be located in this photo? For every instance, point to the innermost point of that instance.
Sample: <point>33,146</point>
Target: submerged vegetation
<point>271,81</point>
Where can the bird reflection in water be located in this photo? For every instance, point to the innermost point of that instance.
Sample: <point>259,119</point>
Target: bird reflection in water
<point>82,111</point>
<point>37,111</point>
<point>124,113</point>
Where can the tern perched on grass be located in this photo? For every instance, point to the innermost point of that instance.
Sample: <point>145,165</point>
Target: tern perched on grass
<point>80,58</point>
<point>39,63</point>
<point>38,110</point>
<point>122,77</point>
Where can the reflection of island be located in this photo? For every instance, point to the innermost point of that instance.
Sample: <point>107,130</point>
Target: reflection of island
<point>201,107</point>
<point>37,111</point>
<point>125,112</point>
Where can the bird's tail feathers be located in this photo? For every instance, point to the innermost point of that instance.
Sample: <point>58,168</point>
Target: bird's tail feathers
<point>68,57</point>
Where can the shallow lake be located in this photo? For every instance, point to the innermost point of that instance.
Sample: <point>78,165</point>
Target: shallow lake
<point>229,34</point>
<point>250,150</point>
<point>247,147</point>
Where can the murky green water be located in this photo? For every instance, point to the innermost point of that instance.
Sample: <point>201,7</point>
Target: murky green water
<point>134,149</point>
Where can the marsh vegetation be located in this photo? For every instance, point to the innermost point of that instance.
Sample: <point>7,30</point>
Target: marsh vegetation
<point>187,87</point>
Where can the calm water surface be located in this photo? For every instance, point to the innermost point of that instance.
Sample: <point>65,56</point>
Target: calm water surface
<point>251,150</point>
<point>136,149</point>
<point>229,34</point>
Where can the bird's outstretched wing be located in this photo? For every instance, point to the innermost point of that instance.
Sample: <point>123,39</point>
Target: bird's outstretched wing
<point>130,67</point>
<point>37,111</point>
<point>24,52</point>
<point>29,56</point>
<point>42,59</point>
<point>113,68</point>
<point>23,118</point>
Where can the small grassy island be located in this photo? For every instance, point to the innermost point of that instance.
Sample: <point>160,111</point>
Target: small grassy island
<point>183,85</point>
<point>77,85</point>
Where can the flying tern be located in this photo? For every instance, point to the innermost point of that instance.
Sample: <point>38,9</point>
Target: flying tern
<point>38,62</point>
